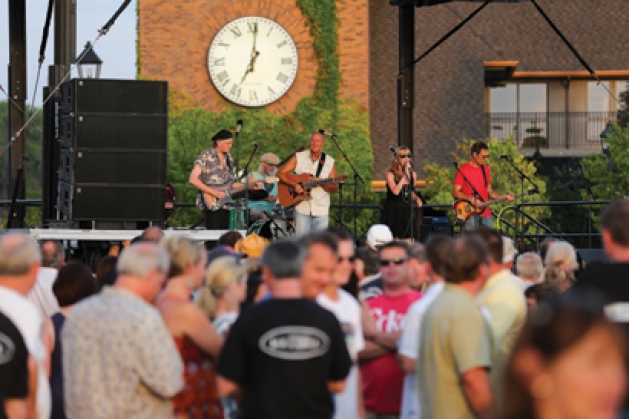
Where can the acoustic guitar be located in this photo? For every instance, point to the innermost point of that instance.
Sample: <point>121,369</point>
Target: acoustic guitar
<point>464,209</point>
<point>287,195</point>
<point>232,193</point>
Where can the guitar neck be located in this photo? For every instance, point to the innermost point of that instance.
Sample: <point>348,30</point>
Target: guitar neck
<point>318,182</point>
<point>499,200</point>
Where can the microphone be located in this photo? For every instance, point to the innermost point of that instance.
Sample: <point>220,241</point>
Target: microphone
<point>505,156</point>
<point>329,134</point>
<point>238,126</point>
<point>255,144</point>
<point>392,149</point>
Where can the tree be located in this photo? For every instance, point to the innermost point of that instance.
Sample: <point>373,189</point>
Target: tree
<point>33,136</point>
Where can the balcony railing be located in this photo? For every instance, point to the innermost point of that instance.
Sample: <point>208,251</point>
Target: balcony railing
<point>558,130</point>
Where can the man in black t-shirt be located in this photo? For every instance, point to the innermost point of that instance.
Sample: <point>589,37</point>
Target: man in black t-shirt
<point>13,371</point>
<point>285,355</point>
<point>612,279</point>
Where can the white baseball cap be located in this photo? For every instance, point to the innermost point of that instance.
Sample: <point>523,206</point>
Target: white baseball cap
<point>378,235</point>
<point>508,250</point>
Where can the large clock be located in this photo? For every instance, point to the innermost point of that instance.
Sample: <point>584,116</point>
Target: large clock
<point>252,61</point>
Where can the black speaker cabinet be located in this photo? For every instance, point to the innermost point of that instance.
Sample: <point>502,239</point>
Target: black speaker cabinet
<point>122,131</point>
<point>114,96</point>
<point>113,166</point>
<point>114,202</point>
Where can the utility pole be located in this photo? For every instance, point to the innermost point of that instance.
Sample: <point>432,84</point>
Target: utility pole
<point>17,104</point>
<point>65,53</point>
<point>406,84</point>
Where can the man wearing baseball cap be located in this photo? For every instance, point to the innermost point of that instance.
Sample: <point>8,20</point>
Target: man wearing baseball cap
<point>267,168</point>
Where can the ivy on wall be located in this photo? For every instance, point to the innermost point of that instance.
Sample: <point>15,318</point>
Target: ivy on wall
<point>191,127</point>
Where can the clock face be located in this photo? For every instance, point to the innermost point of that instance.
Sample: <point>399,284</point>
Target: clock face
<point>252,61</point>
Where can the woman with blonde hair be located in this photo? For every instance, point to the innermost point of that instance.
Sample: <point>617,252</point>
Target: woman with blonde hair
<point>561,262</point>
<point>400,178</point>
<point>225,288</point>
<point>198,343</point>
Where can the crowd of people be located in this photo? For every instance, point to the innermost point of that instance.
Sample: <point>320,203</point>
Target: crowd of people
<point>316,327</point>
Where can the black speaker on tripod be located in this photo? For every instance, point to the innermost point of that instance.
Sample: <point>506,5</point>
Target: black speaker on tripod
<point>114,139</point>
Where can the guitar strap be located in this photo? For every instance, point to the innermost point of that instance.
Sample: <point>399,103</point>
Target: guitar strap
<point>484,175</point>
<point>321,163</point>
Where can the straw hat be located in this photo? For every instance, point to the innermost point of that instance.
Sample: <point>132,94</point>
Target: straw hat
<point>253,245</point>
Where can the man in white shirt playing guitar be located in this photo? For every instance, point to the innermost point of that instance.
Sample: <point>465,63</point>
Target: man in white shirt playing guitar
<point>479,175</point>
<point>311,214</point>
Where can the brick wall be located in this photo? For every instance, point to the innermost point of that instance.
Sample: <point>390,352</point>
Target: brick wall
<point>175,38</point>
<point>449,83</point>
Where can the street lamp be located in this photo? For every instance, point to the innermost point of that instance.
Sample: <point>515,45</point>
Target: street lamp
<point>88,63</point>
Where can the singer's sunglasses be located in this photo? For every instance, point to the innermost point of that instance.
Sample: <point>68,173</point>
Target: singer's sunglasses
<point>387,262</point>
<point>404,156</point>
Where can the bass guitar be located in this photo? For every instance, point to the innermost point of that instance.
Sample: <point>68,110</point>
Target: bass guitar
<point>232,193</point>
<point>287,195</point>
<point>464,209</point>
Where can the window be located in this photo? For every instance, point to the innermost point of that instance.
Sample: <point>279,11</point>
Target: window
<point>503,99</point>
<point>533,98</point>
<point>598,97</point>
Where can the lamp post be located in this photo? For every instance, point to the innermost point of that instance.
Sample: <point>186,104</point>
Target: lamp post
<point>605,145</point>
<point>88,63</point>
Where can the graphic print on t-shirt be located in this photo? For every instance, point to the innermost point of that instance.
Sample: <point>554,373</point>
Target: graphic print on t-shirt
<point>390,321</point>
<point>294,343</point>
<point>7,349</point>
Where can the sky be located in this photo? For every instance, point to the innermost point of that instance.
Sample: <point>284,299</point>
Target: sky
<point>116,49</point>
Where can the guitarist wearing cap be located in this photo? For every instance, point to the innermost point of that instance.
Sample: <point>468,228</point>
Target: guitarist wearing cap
<point>311,214</point>
<point>479,175</point>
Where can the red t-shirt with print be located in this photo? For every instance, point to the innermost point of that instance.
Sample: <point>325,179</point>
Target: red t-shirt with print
<point>382,378</point>
<point>475,176</point>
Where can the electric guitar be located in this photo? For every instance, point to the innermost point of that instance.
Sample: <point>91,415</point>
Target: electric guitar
<point>231,193</point>
<point>287,195</point>
<point>464,209</point>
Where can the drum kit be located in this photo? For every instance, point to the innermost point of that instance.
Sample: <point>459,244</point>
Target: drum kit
<point>278,224</point>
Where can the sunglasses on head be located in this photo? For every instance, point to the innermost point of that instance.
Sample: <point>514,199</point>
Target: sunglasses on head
<point>387,262</point>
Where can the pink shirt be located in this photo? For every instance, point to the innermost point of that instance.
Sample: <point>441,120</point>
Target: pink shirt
<point>475,176</point>
<point>382,377</point>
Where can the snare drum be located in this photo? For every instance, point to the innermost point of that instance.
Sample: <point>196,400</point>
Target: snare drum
<point>272,229</point>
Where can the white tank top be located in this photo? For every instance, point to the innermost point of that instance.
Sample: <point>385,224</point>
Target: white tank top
<point>319,203</point>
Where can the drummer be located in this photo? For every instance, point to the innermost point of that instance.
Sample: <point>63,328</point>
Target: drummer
<point>267,168</point>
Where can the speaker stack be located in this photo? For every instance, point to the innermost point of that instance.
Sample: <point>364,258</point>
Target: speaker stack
<point>114,138</point>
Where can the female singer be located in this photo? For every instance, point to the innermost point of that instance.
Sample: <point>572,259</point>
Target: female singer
<point>400,191</point>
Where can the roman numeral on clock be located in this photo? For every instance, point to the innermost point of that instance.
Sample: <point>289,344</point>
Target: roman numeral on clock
<point>253,95</point>
<point>219,61</point>
<point>223,44</point>
<point>222,76</point>
<point>287,61</point>
<point>253,27</point>
<point>283,78</point>
<point>236,31</point>
<point>271,91</point>
<point>281,44</point>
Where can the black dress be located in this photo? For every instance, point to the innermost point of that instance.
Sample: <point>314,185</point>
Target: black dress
<point>396,213</point>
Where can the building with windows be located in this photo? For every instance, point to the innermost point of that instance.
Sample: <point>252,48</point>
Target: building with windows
<point>506,73</point>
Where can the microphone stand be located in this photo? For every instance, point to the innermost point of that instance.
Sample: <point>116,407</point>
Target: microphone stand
<point>246,178</point>
<point>523,176</point>
<point>357,178</point>
<point>476,193</point>
<point>411,183</point>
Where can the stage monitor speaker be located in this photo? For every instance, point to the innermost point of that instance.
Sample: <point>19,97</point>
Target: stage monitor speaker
<point>437,225</point>
<point>81,96</point>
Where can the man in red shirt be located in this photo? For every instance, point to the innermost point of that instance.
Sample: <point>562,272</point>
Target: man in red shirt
<point>382,378</point>
<point>478,174</point>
